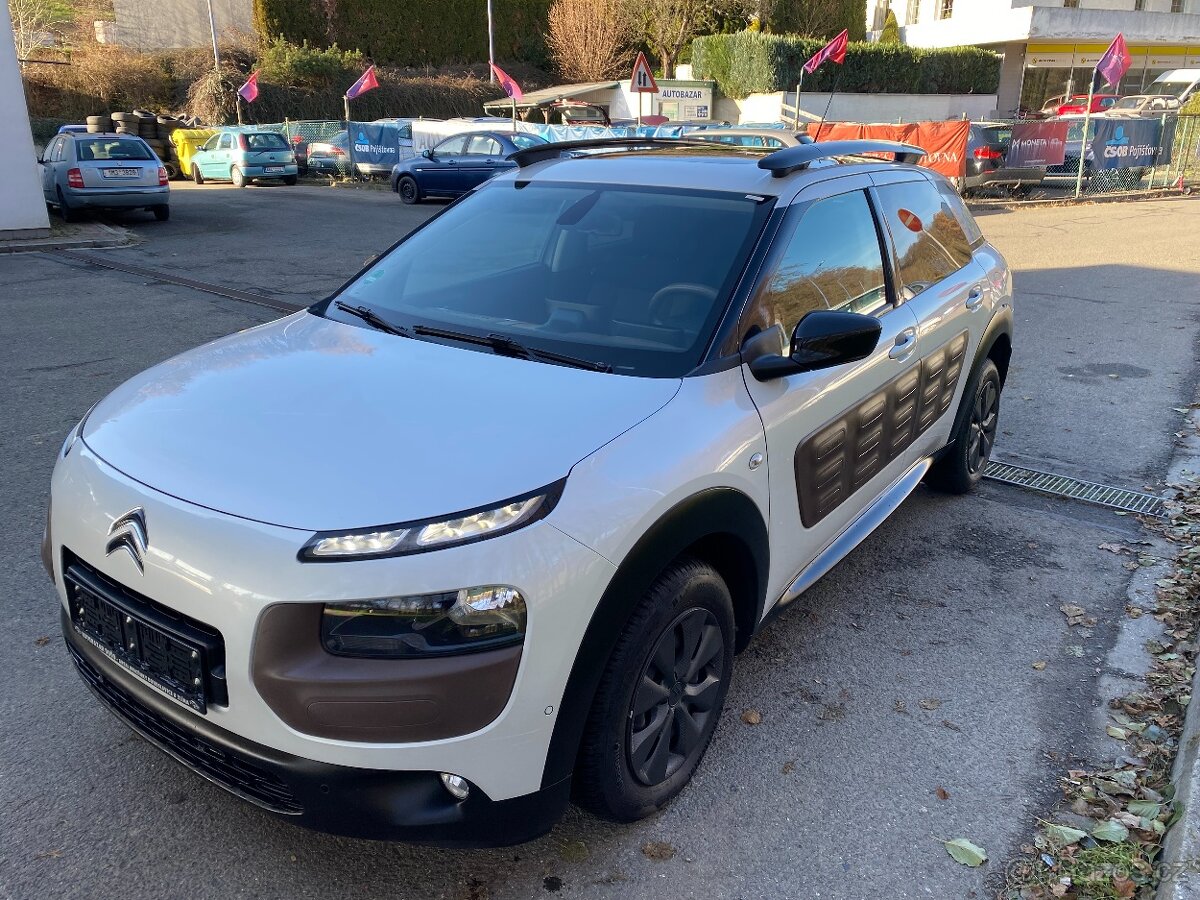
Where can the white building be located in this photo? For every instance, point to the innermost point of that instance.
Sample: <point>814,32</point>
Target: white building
<point>22,206</point>
<point>1051,46</point>
<point>170,24</point>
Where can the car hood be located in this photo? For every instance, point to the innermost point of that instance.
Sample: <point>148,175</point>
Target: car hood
<point>310,423</point>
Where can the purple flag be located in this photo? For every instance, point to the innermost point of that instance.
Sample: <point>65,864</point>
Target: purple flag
<point>1115,62</point>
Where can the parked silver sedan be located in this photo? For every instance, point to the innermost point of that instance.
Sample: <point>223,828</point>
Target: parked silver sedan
<point>103,171</point>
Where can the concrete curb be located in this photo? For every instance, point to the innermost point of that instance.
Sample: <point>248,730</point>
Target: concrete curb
<point>108,237</point>
<point>1180,861</point>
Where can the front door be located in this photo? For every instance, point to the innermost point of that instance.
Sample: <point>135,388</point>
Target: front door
<point>51,161</point>
<point>836,437</point>
<point>439,173</point>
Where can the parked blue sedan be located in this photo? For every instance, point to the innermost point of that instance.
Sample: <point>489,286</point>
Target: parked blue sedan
<point>458,164</point>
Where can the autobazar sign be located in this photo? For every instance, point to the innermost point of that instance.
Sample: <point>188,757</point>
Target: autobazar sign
<point>1037,144</point>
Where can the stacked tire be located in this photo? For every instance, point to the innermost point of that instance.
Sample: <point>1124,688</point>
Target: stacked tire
<point>100,124</point>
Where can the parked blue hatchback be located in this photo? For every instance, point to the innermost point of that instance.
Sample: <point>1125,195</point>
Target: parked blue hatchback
<point>244,157</point>
<point>458,164</point>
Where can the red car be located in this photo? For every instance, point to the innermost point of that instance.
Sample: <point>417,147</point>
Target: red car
<point>1077,103</point>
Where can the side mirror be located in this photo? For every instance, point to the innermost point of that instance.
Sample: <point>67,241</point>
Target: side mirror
<point>427,153</point>
<point>822,339</point>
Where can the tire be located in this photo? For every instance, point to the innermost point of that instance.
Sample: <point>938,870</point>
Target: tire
<point>172,169</point>
<point>236,176</point>
<point>406,187</point>
<point>196,176</point>
<point>962,465</point>
<point>68,214</point>
<point>162,213</point>
<point>289,179</point>
<point>643,738</point>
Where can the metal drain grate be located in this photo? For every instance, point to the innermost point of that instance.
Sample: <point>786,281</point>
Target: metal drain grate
<point>1087,491</point>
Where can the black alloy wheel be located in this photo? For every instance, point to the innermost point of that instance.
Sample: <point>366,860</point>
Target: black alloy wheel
<point>982,431</point>
<point>676,694</point>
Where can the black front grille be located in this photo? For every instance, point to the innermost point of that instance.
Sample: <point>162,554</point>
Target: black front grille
<point>246,780</point>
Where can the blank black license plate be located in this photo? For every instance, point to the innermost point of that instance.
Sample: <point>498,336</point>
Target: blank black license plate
<point>153,651</point>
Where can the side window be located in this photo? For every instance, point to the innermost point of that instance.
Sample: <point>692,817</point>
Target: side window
<point>56,152</point>
<point>832,260</point>
<point>452,146</point>
<point>226,142</point>
<point>211,143</point>
<point>930,243</point>
<point>481,145</point>
<point>966,221</point>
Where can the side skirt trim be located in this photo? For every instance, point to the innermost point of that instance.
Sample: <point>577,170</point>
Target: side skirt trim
<point>856,532</point>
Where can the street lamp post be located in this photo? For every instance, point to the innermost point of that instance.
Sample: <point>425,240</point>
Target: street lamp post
<point>212,27</point>
<point>491,43</point>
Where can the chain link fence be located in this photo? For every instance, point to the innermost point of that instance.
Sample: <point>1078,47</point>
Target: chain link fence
<point>1056,159</point>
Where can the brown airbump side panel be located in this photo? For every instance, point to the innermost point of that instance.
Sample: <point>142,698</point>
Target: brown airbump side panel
<point>381,700</point>
<point>847,453</point>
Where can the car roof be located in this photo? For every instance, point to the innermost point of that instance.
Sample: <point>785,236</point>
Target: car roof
<point>710,166</point>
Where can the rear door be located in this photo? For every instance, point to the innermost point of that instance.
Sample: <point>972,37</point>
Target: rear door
<point>483,154</point>
<point>939,281</point>
<point>836,437</point>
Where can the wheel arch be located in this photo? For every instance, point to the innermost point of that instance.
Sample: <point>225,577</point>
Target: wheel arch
<point>721,526</point>
<point>995,345</point>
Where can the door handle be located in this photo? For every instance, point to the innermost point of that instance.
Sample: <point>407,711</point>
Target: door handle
<point>975,298</point>
<point>905,341</point>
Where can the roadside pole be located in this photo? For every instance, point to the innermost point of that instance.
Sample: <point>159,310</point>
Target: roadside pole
<point>491,46</point>
<point>346,110</point>
<point>1087,118</point>
<point>799,89</point>
<point>212,27</point>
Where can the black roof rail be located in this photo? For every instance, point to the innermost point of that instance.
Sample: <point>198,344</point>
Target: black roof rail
<point>530,155</point>
<point>792,159</point>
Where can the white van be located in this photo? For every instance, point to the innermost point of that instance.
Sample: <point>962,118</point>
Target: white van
<point>1181,83</point>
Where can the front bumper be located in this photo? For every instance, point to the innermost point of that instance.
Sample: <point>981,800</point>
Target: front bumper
<point>364,803</point>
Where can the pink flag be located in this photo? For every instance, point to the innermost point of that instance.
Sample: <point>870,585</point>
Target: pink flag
<point>510,87</point>
<point>249,90</point>
<point>365,83</point>
<point>835,50</point>
<point>1115,62</point>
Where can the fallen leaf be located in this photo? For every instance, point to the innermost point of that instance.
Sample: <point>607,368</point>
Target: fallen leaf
<point>946,723</point>
<point>51,854</point>
<point>900,706</point>
<point>41,642</point>
<point>1119,733</point>
<point>966,853</point>
<point>1115,548</point>
<point>659,851</point>
<point>1074,613</point>
<point>1040,664</point>
<point>942,793</point>
<point>1110,830</point>
<point>573,851</point>
<point>789,767</point>
<point>1064,835</point>
<point>751,717</point>
<point>1145,808</point>
<point>1124,887</point>
<point>930,703</point>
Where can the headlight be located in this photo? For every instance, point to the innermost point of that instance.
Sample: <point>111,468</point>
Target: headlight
<point>464,621</point>
<point>431,534</point>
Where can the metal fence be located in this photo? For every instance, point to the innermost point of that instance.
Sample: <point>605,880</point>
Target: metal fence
<point>1116,156</point>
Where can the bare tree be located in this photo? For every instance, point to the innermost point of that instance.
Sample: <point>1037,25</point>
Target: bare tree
<point>34,22</point>
<point>669,25</point>
<point>590,40</point>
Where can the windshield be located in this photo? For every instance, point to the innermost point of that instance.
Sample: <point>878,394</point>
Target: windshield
<point>108,148</point>
<point>1129,103</point>
<point>265,140</point>
<point>1174,88</point>
<point>631,277</point>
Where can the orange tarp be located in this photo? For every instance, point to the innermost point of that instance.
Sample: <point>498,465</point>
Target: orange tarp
<point>944,143</point>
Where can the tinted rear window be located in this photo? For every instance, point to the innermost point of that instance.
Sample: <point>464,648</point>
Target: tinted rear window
<point>929,241</point>
<point>266,140</point>
<point>112,148</point>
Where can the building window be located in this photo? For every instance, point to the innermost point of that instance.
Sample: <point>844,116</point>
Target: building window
<point>945,9</point>
<point>1074,4</point>
<point>911,13</point>
<point>1139,5</point>
<point>1176,6</point>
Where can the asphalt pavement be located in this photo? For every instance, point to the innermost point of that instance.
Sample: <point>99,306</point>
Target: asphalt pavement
<point>908,669</point>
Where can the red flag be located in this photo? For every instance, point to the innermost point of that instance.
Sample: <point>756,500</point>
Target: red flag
<point>1115,62</point>
<point>249,90</point>
<point>834,50</point>
<point>510,87</point>
<point>366,83</point>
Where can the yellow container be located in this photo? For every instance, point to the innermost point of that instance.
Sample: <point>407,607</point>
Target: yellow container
<point>187,141</point>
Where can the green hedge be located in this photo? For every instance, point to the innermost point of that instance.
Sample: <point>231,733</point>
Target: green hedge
<point>750,63</point>
<point>412,33</point>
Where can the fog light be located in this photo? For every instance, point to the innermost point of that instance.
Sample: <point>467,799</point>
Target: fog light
<point>456,785</point>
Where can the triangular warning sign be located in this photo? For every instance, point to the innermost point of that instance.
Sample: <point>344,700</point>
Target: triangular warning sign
<point>642,81</point>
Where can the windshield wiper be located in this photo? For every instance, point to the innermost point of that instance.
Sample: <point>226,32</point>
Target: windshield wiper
<point>372,318</point>
<point>506,346</point>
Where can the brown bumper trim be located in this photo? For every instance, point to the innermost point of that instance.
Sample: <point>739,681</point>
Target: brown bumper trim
<point>376,700</point>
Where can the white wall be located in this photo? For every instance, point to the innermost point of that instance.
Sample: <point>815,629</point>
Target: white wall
<point>22,206</point>
<point>164,24</point>
<point>860,107</point>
